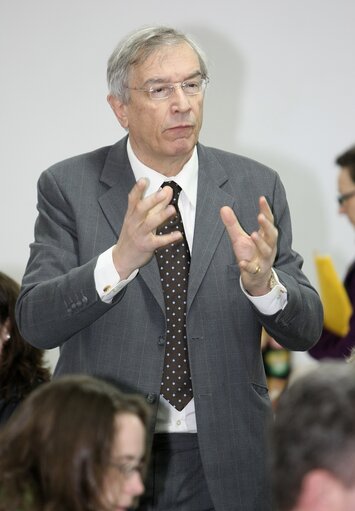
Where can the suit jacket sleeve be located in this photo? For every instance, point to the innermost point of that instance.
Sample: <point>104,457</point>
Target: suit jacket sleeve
<point>298,326</point>
<point>58,296</point>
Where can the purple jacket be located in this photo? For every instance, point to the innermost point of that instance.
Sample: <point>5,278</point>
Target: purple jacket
<point>331,345</point>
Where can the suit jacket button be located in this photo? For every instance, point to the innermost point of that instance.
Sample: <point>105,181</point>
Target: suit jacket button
<point>151,398</point>
<point>161,340</point>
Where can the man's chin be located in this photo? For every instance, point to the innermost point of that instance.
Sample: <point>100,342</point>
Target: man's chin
<point>183,145</point>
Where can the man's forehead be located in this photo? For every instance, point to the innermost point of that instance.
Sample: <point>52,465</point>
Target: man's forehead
<point>167,59</point>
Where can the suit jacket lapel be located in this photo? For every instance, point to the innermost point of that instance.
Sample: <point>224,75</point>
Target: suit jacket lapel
<point>208,224</point>
<point>117,174</point>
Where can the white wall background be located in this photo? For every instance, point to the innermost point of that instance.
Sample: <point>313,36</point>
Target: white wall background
<point>282,91</point>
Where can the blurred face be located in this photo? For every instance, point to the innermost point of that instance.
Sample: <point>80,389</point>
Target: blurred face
<point>4,334</point>
<point>163,132</point>
<point>323,491</point>
<point>338,497</point>
<point>123,481</point>
<point>346,186</point>
<point>348,500</point>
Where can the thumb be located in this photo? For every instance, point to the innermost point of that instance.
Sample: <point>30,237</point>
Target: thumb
<point>231,223</point>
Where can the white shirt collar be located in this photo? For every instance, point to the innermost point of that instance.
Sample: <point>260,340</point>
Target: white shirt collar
<point>187,177</point>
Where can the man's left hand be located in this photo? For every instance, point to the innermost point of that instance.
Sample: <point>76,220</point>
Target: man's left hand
<point>255,253</point>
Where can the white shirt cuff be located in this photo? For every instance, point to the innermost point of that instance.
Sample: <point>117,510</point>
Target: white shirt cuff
<point>107,280</point>
<point>272,302</point>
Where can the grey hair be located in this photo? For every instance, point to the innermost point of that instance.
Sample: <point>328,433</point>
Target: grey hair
<point>314,429</point>
<point>135,48</point>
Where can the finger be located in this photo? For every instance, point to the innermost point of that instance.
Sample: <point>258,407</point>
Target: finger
<point>160,202</point>
<point>159,199</point>
<point>267,230</point>
<point>265,248</point>
<point>265,219</point>
<point>141,206</point>
<point>231,223</point>
<point>159,216</point>
<point>159,209</point>
<point>252,267</point>
<point>161,240</point>
<point>265,209</point>
<point>137,194</point>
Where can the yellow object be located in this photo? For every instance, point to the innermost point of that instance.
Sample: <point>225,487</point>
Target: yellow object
<point>336,304</point>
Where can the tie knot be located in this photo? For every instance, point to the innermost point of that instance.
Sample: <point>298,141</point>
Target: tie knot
<point>176,190</point>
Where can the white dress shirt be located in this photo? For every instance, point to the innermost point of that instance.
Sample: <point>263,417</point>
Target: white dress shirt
<point>108,282</point>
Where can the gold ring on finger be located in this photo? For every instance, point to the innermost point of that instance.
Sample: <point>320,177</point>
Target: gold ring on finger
<point>257,269</point>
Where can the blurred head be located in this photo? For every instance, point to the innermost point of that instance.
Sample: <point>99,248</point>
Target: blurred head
<point>313,442</point>
<point>76,443</point>
<point>156,79</point>
<point>21,365</point>
<point>346,184</point>
<point>9,290</point>
<point>123,481</point>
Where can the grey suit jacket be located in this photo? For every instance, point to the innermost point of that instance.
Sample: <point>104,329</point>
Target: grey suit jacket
<point>81,204</point>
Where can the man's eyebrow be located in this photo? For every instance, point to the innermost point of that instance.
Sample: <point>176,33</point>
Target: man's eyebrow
<point>153,81</point>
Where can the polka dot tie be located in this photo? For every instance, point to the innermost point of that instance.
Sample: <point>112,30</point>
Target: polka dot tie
<point>174,264</point>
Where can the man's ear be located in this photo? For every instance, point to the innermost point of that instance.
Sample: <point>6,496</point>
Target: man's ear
<point>321,491</point>
<point>119,109</point>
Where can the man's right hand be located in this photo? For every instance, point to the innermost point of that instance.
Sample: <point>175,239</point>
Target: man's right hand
<point>138,240</point>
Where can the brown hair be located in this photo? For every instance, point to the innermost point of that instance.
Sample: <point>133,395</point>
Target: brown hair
<point>22,366</point>
<point>347,160</point>
<point>55,448</point>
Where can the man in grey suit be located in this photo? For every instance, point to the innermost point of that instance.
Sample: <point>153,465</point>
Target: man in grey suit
<point>93,286</point>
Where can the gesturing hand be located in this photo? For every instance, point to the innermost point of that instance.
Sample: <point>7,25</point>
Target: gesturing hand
<point>255,253</point>
<point>138,241</point>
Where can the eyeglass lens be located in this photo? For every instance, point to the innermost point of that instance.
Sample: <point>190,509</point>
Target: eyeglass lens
<point>345,196</point>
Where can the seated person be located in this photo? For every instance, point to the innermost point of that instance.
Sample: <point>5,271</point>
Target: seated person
<point>313,441</point>
<point>74,444</point>
<point>277,364</point>
<point>331,345</point>
<point>22,366</point>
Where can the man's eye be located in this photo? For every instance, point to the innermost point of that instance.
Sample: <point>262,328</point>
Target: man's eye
<point>160,90</point>
<point>192,86</point>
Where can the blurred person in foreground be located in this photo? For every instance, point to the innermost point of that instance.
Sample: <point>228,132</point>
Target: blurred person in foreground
<point>22,367</point>
<point>313,441</point>
<point>75,444</point>
<point>96,283</point>
<point>331,345</point>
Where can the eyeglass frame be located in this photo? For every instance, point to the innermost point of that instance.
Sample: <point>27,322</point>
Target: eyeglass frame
<point>204,80</point>
<point>127,469</point>
<point>344,197</point>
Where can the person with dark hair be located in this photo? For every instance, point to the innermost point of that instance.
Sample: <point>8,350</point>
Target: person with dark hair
<point>331,345</point>
<point>22,366</point>
<point>74,444</point>
<point>313,441</point>
<point>156,262</point>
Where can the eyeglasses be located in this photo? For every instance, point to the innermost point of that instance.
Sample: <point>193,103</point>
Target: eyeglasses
<point>344,197</point>
<point>127,469</point>
<point>165,90</point>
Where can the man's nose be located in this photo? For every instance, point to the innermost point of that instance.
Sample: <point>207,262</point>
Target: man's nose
<point>180,100</point>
